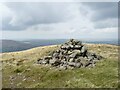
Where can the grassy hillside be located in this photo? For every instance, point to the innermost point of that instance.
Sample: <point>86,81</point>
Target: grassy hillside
<point>20,70</point>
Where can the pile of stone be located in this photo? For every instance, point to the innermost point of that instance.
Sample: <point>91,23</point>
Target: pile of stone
<point>72,54</point>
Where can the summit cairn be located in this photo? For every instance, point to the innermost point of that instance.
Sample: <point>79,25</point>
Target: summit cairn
<point>72,54</point>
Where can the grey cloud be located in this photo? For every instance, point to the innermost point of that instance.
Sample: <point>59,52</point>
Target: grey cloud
<point>7,26</point>
<point>103,10</point>
<point>100,5</point>
<point>43,27</point>
<point>106,24</point>
<point>28,14</point>
<point>104,14</point>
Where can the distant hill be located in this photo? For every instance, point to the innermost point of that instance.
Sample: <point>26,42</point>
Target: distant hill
<point>45,42</point>
<point>11,45</point>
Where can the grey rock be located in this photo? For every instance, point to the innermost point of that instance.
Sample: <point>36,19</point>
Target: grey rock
<point>48,57</point>
<point>72,54</point>
<point>52,61</point>
<point>63,62</point>
<point>91,57</point>
<point>76,51</point>
<point>99,57</point>
<point>78,65</point>
<point>77,47</point>
<point>39,61</point>
<point>69,52</point>
<point>84,62</point>
<point>71,60</point>
<point>64,67</point>
<point>72,64</point>
<point>77,60</point>
<point>56,63</point>
<point>66,47</point>
<point>44,61</point>
<point>71,46</point>
<point>83,49</point>
<point>56,55</point>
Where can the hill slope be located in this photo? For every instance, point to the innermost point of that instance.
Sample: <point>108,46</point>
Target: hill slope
<point>11,45</point>
<point>20,70</point>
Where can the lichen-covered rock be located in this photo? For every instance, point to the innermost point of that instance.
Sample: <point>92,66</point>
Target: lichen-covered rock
<point>72,54</point>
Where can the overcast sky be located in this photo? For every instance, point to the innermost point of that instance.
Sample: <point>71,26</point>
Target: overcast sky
<point>59,20</point>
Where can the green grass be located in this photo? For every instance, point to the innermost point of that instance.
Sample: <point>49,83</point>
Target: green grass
<point>30,75</point>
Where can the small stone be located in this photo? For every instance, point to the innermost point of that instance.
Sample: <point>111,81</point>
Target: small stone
<point>72,64</point>
<point>71,46</point>
<point>33,80</point>
<point>11,78</point>
<point>39,61</point>
<point>71,60</point>
<point>84,49</point>
<point>19,84</point>
<point>77,47</point>
<point>84,62</point>
<point>63,62</point>
<point>56,55</point>
<point>44,62</point>
<point>48,57</point>
<point>77,60</point>
<point>78,65</point>
<point>24,79</point>
<point>73,55</point>
<point>64,67</point>
<point>52,61</point>
<point>99,57</point>
<point>76,51</point>
<point>70,52</point>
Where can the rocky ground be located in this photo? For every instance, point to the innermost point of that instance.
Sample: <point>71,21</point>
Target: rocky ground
<point>72,54</point>
<point>21,70</point>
